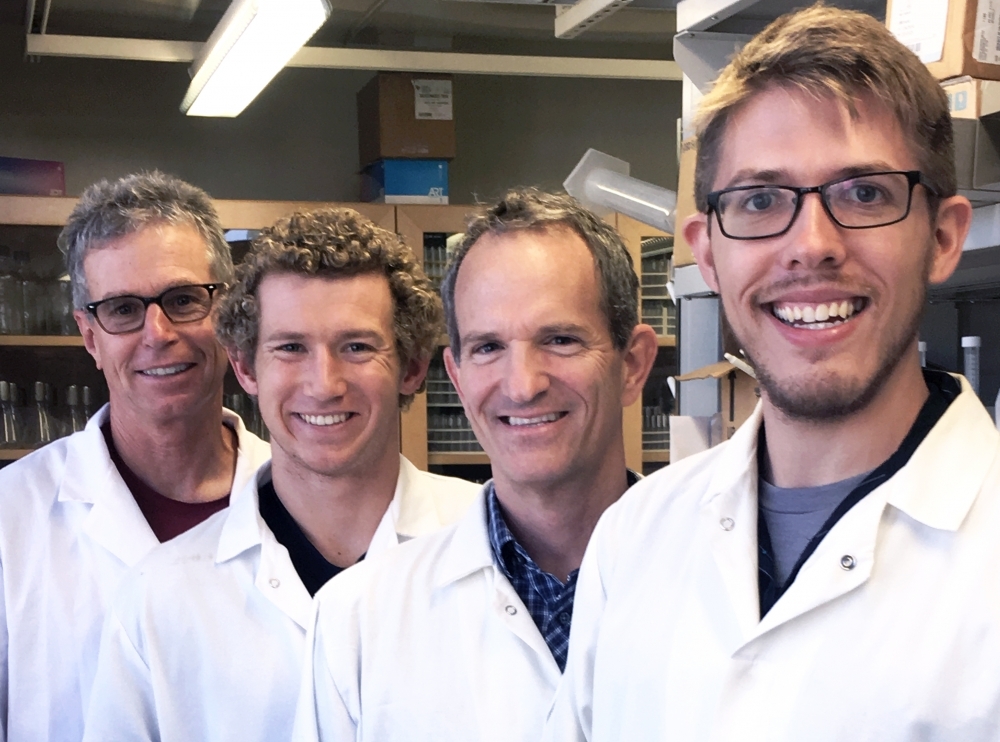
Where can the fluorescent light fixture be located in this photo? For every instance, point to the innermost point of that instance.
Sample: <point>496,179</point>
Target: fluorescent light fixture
<point>252,43</point>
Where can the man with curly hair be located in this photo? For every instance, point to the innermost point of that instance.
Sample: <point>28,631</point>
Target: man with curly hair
<point>463,635</point>
<point>331,324</point>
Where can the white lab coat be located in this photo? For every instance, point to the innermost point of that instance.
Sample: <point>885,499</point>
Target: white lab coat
<point>429,644</point>
<point>890,632</point>
<point>69,531</point>
<point>206,637</point>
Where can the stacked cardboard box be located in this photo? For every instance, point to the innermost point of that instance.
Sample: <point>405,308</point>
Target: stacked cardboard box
<point>406,136</point>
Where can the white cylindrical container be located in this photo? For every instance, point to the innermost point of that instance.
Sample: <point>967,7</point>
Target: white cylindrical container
<point>970,352</point>
<point>922,350</point>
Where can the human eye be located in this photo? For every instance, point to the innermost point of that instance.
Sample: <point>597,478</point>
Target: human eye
<point>485,349</point>
<point>123,306</point>
<point>865,192</point>
<point>564,340</point>
<point>359,347</point>
<point>290,348</point>
<point>759,200</point>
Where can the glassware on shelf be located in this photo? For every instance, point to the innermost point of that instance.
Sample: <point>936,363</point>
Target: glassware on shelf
<point>61,307</point>
<point>10,433</point>
<point>11,296</point>
<point>655,429</point>
<point>77,418</point>
<point>43,427</point>
<point>88,403</point>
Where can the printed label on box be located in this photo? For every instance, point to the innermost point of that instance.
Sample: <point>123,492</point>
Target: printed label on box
<point>432,100</point>
<point>920,26</point>
<point>986,41</point>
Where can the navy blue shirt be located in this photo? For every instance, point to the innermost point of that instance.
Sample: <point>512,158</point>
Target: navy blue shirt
<point>547,598</point>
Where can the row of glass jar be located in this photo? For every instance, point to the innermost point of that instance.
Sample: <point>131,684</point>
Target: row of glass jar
<point>32,303</point>
<point>33,417</point>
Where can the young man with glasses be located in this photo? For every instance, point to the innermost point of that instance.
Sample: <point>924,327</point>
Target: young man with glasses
<point>832,571</point>
<point>331,324</point>
<point>146,256</point>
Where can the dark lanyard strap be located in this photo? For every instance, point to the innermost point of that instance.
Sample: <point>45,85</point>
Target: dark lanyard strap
<point>943,391</point>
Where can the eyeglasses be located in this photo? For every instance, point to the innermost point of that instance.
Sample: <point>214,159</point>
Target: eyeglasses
<point>756,212</point>
<point>120,314</point>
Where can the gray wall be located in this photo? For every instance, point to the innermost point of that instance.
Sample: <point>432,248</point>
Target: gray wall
<point>298,140</point>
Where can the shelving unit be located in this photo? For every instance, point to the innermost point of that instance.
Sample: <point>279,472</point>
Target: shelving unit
<point>42,341</point>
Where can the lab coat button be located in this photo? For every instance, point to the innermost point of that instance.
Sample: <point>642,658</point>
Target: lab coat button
<point>274,582</point>
<point>511,610</point>
<point>847,562</point>
<point>564,618</point>
<point>727,524</point>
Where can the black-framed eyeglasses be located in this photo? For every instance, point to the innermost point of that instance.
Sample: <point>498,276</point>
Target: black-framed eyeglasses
<point>756,212</point>
<point>120,314</point>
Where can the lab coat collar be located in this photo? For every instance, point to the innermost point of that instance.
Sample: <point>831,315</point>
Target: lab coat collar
<point>275,575</point>
<point>115,520</point>
<point>939,484</point>
<point>470,549</point>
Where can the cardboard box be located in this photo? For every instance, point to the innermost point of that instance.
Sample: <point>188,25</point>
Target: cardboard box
<point>685,202</point>
<point>396,181</point>
<point>739,394</point>
<point>968,97</point>
<point>952,37</point>
<point>406,115</point>
<point>32,177</point>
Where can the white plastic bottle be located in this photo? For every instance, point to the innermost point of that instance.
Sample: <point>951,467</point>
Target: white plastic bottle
<point>970,351</point>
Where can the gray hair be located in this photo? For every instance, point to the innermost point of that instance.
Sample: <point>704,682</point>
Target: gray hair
<point>530,209</point>
<point>107,211</point>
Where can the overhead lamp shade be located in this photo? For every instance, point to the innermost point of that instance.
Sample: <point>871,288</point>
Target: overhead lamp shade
<point>251,44</point>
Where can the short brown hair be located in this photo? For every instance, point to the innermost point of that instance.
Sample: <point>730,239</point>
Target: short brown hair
<point>530,209</point>
<point>840,53</point>
<point>326,243</point>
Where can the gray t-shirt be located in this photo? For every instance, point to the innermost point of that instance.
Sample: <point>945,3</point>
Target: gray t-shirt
<point>795,514</point>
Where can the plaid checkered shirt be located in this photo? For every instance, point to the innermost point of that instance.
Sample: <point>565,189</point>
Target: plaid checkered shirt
<point>548,600</point>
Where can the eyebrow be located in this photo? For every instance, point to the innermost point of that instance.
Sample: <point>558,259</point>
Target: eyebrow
<point>748,176</point>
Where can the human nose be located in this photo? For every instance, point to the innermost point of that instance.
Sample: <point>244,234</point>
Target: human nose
<point>815,241</point>
<point>327,379</point>
<point>526,378</point>
<point>157,328</point>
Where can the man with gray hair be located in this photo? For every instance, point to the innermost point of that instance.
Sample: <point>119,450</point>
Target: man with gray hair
<point>146,257</point>
<point>463,635</point>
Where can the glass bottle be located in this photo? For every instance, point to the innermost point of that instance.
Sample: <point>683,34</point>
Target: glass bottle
<point>77,417</point>
<point>88,403</point>
<point>11,296</point>
<point>43,425</point>
<point>10,435</point>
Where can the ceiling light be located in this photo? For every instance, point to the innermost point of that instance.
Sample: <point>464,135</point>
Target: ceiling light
<point>252,42</point>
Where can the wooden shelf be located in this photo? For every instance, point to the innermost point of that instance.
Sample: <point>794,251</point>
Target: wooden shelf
<point>457,457</point>
<point>12,454</point>
<point>666,341</point>
<point>48,341</point>
<point>656,457</point>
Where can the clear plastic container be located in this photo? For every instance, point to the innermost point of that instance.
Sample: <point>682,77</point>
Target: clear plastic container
<point>970,353</point>
<point>11,298</point>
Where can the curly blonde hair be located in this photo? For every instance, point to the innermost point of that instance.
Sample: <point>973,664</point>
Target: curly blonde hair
<point>334,242</point>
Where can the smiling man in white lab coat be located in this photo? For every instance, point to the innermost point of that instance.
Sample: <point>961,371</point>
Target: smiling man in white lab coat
<point>832,572</point>
<point>462,636</point>
<point>331,324</point>
<point>147,259</point>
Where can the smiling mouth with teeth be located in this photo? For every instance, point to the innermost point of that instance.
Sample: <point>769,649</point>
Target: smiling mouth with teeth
<point>325,420</point>
<point>818,316</point>
<point>167,370</point>
<point>539,420</point>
